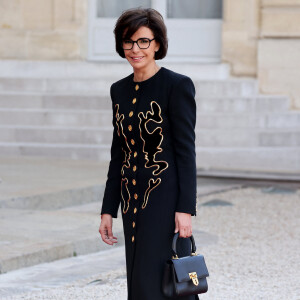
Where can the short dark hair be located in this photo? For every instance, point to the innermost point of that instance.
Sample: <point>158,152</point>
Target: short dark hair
<point>134,18</point>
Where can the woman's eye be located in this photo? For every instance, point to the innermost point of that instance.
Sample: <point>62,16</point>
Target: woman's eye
<point>127,42</point>
<point>144,41</point>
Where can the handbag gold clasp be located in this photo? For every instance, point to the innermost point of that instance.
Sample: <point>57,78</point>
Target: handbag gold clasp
<point>193,276</point>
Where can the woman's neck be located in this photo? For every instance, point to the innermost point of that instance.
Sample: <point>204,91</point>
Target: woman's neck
<point>141,75</point>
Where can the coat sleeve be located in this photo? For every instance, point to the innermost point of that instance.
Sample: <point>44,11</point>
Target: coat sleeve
<point>182,114</point>
<point>112,191</point>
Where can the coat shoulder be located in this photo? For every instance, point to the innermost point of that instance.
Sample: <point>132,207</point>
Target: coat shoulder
<point>179,83</point>
<point>175,77</point>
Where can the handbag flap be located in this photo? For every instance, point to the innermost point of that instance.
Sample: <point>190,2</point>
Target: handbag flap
<point>189,264</point>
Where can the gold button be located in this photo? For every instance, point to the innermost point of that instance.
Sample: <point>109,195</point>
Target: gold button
<point>133,182</point>
<point>135,210</point>
<point>132,141</point>
<point>134,100</point>
<point>133,224</point>
<point>135,196</point>
<point>129,127</point>
<point>135,154</point>
<point>132,238</point>
<point>137,87</point>
<point>134,168</point>
<point>131,114</point>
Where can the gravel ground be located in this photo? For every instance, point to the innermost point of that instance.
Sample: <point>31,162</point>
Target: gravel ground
<point>256,254</point>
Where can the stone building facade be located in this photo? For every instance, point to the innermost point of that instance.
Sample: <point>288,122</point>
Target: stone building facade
<point>42,30</point>
<point>57,62</point>
<point>260,38</point>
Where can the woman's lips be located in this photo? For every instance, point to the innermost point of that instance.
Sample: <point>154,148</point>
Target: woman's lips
<point>137,58</point>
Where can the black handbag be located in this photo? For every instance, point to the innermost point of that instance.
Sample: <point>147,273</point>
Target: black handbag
<point>184,276</point>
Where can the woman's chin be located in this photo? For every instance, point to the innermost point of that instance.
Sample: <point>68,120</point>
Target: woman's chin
<point>137,66</point>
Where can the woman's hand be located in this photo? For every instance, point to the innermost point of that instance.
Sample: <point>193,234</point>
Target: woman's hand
<point>183,224</point>
<point>105,230</point>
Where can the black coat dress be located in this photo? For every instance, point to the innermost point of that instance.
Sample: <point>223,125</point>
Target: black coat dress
<point>152,173</point>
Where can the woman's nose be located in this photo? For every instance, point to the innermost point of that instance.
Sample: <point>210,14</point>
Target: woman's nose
<point>135,47</point>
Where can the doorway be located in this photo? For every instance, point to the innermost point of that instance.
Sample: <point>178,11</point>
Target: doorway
<point>194,28</point>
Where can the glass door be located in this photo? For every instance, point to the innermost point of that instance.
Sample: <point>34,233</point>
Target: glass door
<point>194,28</point>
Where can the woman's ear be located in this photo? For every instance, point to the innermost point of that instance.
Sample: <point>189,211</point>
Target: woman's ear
<point>157,46</point>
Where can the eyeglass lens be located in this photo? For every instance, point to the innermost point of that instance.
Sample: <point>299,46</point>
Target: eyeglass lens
<point>142,43</point>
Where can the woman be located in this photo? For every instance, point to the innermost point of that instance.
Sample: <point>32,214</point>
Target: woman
<point>152,171</point>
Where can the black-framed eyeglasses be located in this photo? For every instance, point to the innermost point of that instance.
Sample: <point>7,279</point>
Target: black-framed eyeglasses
<point>143,43</point>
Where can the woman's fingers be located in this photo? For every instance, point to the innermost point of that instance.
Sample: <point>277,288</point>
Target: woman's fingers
<point>104,234</point>
<point>111,237</point>
<point>105,230</point>
<point>107,238</point>
<point>185,231</point>
<point>183,224</point>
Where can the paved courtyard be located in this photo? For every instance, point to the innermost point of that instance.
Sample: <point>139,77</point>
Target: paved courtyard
<point>249,236</point>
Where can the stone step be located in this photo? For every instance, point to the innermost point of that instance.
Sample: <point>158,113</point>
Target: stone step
<point>260,159</point>
<point>226,88</point>
<point>84,270</point>
<point>54,200</point>
<point>115,70</point>
<point>32,237</point>
<point>278,120</point>
<point>204,137</point>
<point>50,183</point>
<point>98,118</point>
<point>33,134</point>
<point>73,151</point>
<point>56,85</point>
<point>50,209</point>
<point>261,178</point>
<point>247,138</point>
<point>63,69</point>
<point>54,117</point>
<point>232,104</point>
<point>209,88</point>
<point>259,104</point>
<point>58,101</point>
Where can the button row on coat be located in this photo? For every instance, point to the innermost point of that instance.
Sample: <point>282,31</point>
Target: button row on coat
<point>135,155</point>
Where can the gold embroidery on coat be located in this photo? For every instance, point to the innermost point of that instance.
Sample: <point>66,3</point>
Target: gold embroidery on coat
<point>124,143</point>
<point>126,203</point>
<point>127,153</point>
<point>151,186</point>
<point>151,146</point>
<point>152,140</point>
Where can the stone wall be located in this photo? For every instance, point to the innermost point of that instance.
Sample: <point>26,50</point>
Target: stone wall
<point>279,49</point>
<point>240,36</point>
<point>47,29</point>
<point>261,38</point>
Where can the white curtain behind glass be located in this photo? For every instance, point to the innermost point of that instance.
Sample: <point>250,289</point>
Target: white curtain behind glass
<point>203,9</point>
<point>113,8</point>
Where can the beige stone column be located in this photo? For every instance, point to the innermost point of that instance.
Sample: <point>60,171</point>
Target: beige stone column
<point>240,36</point>
<point>279,49</point>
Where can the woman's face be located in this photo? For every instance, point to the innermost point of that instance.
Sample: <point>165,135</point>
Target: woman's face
<point>142,58</point>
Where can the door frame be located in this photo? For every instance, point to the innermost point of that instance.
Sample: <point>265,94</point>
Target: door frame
<point>208,44</point>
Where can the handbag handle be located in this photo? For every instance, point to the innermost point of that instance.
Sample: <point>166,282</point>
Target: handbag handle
<point>174,252</point>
